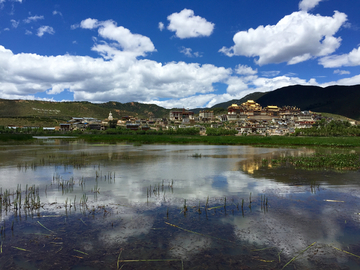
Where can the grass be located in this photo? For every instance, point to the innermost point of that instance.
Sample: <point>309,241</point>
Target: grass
<point>15,137</point>
<point>319,161</point>
<point>228,140</point>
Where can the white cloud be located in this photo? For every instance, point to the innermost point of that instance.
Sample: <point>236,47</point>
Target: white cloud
<point>14,23</point>
<point>6,29</point>
<point>28,32</point>
<point>245,70</point>
<point>120,74</point>
<point>74,26</point>
<point>186,25</point>
<point>271,73</point>
<point>243,86</point>
<point>45,29</point>
<point>55,12</point>
<point>350,59</point>
<point>295,38</point>
<point>307,5</point>
<point>188,52</point>
<point>346,81</point>
<point>2,1</point>
<point>89,23</point>
<point>33,19</point>
<point>341,72</point>
<point>119,77</point>
<point>161,26</point>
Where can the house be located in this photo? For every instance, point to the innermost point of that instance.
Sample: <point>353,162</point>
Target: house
<point>206,115</point>
<point>65,127</point>
<point>181,115</point>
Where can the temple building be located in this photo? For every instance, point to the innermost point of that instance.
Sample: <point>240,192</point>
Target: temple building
<point>181,115</point>
<point>250,110</point>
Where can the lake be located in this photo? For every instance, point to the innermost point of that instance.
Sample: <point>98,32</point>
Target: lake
<point>67,204</point>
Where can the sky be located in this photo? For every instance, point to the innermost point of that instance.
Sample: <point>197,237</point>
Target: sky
<point>184,54</point>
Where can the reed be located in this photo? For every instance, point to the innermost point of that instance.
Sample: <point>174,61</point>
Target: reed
<point>45,227</point>
<point>189,231</point>
<point>346,252</point>
<point>293,259</point>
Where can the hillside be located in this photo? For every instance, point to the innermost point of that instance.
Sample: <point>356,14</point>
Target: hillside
<point>341,100</point>
<point>253,96</point>
<point>66,110</point>
<point>224,105</point>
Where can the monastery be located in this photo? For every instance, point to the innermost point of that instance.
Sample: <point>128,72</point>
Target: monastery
<point>250,110</point>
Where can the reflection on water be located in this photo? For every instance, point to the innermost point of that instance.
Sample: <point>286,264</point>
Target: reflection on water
<point>159,207</point>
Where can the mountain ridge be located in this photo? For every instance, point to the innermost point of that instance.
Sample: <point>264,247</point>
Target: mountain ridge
<point>341,100</point>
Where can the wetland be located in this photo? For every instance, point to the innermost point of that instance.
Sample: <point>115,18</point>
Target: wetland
<point>71,204</point>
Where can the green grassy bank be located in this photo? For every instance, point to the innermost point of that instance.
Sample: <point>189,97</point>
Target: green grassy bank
<point>229,140</point>
<point>6,138</point>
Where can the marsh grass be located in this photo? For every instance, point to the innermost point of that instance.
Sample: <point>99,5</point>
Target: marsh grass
<point>319,161</point>
<point>268,141</point>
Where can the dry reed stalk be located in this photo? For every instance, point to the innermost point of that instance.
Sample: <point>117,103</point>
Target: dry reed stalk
<point>293,259</point>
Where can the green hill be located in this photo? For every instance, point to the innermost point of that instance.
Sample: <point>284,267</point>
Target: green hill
<point>339,100</point>
<point>45,113</point>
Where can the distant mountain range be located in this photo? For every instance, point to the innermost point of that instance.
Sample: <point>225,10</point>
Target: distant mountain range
<point>342,100</point>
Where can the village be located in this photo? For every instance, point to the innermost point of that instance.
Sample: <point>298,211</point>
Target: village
<point>248,118</point>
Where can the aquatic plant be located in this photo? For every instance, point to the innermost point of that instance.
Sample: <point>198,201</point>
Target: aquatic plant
<point>321,161</point>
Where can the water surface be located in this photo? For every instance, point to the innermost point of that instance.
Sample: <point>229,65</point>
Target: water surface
<point>173,207</point>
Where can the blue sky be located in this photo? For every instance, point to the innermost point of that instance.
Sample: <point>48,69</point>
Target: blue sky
<point>188,53</point>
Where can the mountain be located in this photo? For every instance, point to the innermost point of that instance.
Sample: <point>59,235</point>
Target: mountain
<point>339,100</point>
<point>253,96</point>
<point>225,105</point>
<point>342,100</point>
<point>66,110</point>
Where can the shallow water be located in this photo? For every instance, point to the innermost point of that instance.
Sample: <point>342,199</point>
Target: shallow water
<point>107,206</point>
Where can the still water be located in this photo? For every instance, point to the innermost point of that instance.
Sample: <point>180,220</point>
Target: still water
<point>74,205</point>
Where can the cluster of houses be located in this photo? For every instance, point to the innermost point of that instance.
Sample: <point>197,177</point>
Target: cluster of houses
<point>251,118</point>
<point>247,118</point>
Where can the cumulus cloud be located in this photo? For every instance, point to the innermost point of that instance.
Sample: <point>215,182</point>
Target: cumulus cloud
<point>294,39</point>
<point>161,26</point>
<point>341,72</point>
<point>186,25</point>
<point>307,5</point>
<point>188,52</point>
<point>45,29</point>
<point>28,32</point>
<point>132,44</point>
<point>118,75</point>
<point>89,23</point>
<point>122,73</point>
<point>346,81</point>
<point>33,19</point>
<point>245,70</point>
<point>350,59</point>
<point>14,23</point>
